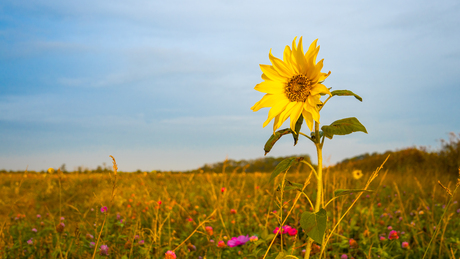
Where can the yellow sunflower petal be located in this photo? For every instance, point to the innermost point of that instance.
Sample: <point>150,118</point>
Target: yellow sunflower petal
<point>267,101</point>
<point>280,66</point>
<point>284,115</point>
<point>295,114</point>
<point>323,76</point>
<point>312,110</point>
<point>271,73</point>
<point>275,110</point>
<point>319,89</point>
<point>308,119</point>
<point>270,87</point>
<point>300,58</point>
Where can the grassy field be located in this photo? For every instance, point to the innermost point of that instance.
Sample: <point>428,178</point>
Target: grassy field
<point>145,215</point>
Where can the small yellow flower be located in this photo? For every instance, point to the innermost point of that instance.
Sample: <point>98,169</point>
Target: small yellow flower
<point>293,86</point>
<point>50,170</point>
<point>357,174</point>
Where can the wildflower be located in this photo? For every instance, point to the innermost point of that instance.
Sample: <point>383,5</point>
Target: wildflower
<point>292,86</point>
<point>238,241</point>
<point>222,190</point>
<point>286,229</point>
<point>390,227</point>
<point>104,209</point>
<point>458,211</point>
<point>209,230</point>
<point>30,241</point>
<point>405,245</point>
<point>382,238</point>
<point>60,227</point>
<point>89,236</point>
<point>42,223</point>
<point>292,232</point>
<point>221,244</point>
<point>353,243</point>
<point>141,242</point>
<point>170,255</point>
<point>357,174</point>
<point>38,216</point>
<point>253,238</point>
<point>421,212</point>
<point>104,250</point>
<point>344,256</point>
<point>379,204</point>
<point>160,202</point>
<point>62,218</point>
<point>393,235</point>
<point>34,230</point>
<point>50,170</point>
<point>92,244</point>
<point>412,223</point>
<point>92,209</point>
<point>189,219</point>
<point>233,211</point>
<point>118,216</point>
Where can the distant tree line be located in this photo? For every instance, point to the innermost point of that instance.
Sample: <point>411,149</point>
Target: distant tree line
<point>446,160</point>
<point>265,164</point>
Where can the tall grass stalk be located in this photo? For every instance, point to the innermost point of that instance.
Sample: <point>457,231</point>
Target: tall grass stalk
<point>371,178</point>
<point>451,194</point>
<point>114,186</point>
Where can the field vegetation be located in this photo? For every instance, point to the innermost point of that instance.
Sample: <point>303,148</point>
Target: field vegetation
<point>230,210</point>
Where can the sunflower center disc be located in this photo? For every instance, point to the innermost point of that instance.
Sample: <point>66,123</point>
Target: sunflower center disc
<point>298,88</point>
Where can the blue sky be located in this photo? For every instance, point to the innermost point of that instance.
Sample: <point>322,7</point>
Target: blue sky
<point>169,84</point>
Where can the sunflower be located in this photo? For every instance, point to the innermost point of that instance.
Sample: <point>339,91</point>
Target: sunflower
<point>293,86</point>
<point>357,174</point>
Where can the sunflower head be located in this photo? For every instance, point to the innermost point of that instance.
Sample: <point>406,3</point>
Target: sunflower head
<point>357,174</point>
<point>293,86</point>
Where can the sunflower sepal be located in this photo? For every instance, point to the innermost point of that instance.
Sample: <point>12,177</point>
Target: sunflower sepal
<point>346,93</point>
<point>343,127</point>
<point>275,137</point>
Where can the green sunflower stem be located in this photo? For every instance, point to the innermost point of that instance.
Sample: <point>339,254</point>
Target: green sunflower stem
<point>319,178</point>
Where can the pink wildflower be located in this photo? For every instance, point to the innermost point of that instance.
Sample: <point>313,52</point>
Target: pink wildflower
<point>393,235</point>
<point>238,241</point>
<point>221,244</point>
<point>170,255</point>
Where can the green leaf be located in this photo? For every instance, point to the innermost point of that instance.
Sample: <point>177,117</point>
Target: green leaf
<point>275,137</point>
<point>298,125</point>
<point>314,224</point>
<point>346,93</point>
<point>341,192</point>
<point>282,166</point>
<point>343,127</point>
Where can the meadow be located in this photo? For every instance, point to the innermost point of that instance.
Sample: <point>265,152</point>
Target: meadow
<point>222,214</point>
